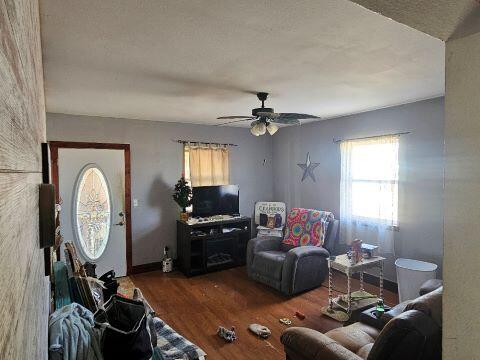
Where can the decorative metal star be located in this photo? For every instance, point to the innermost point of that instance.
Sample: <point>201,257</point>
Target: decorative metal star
<point>308,168</point>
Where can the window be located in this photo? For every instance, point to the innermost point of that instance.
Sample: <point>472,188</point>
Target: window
<point>370,179</point>
<point>369,184</point>
<point>92,212</point>
<point>206,164</point>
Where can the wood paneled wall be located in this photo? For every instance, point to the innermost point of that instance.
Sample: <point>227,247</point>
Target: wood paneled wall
<point>23,285</point>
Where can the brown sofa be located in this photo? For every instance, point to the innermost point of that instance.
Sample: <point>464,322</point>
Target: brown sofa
<point>412,331</point>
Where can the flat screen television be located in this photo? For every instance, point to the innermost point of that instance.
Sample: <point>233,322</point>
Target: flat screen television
<point>215,200</point>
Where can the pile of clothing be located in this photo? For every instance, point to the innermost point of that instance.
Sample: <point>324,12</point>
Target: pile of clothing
<point>72,334</point>
<point>123,327</point>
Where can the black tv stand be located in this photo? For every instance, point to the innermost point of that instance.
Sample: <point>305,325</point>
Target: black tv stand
<point>212,245</point>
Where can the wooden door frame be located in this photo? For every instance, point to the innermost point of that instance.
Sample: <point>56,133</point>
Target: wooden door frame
<point>55,145</point>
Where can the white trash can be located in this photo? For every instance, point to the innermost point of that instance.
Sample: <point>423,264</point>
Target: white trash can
<point>411,274</point>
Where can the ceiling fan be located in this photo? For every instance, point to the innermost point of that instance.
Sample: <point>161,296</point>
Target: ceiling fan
<point>265,119</point>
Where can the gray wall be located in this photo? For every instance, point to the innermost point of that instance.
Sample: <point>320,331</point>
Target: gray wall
<point>420,174</point>
<point>157,165</point>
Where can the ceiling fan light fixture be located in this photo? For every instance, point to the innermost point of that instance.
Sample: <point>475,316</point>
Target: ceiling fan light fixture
<point>261,128</point>
<point>272,128</point>
<point>253,130</point>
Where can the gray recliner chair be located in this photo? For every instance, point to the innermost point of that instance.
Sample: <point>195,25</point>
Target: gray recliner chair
<point>288,269</point>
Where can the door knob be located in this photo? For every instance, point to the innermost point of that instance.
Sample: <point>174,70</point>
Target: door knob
<point>122,221</point>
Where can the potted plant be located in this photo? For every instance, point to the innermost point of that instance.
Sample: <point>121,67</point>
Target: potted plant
<point>183,197</point>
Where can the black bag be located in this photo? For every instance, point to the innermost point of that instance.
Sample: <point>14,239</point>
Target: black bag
<point>90,269</point>
<point>125,334</point>
<point>110,284</point>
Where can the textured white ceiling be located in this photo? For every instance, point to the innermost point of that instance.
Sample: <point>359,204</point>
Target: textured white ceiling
<point>439,18</point>
<point>192,61</point>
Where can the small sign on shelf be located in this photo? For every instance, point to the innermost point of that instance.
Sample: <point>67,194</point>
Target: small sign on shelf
<point>270,218</point>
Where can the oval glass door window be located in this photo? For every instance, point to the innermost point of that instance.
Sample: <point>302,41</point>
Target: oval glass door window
<point>92,211</point>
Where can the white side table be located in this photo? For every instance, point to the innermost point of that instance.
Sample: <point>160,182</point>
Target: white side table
<point>343,264</point>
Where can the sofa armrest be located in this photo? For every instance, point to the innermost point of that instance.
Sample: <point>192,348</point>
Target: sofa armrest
<point>305,267</point>
<point>407,336</point>
<point>299,252</point>
<point>264,243</point>
<point>309,344</point>
<point>430,286</point>
<point>395,311</point>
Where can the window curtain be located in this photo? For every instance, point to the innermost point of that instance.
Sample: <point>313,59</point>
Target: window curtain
<point>369,191</point>
<point>207,164</point>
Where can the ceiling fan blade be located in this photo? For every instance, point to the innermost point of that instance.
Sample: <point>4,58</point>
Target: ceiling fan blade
<point>269,115</point>
<point>234,117</point>
<point>292,118</point>
<point>284,121</point>
<point>234,121</point>
<point>297,116</point>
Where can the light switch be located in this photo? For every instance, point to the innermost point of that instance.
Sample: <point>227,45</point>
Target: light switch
<point>135,202</point>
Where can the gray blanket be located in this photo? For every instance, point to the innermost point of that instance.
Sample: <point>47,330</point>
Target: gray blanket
<point>72,335</point>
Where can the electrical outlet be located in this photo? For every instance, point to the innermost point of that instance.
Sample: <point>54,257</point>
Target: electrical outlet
<point>135,202</point>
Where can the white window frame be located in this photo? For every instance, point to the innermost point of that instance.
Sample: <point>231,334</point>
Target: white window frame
<point>77,236</point>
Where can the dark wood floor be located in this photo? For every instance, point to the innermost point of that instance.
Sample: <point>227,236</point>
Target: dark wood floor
<point>196,306</point>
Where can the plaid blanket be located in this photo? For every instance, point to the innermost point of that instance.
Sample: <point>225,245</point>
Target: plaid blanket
<point>172,346</point>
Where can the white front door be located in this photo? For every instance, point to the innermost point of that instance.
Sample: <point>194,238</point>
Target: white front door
<point>92,190</point>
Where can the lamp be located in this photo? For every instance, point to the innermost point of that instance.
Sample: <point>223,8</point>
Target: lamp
<point>258,128</point>
<point>272,128</point>
<point>261,128</point>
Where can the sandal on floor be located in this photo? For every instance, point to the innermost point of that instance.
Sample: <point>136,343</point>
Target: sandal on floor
<point>260,330</point>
